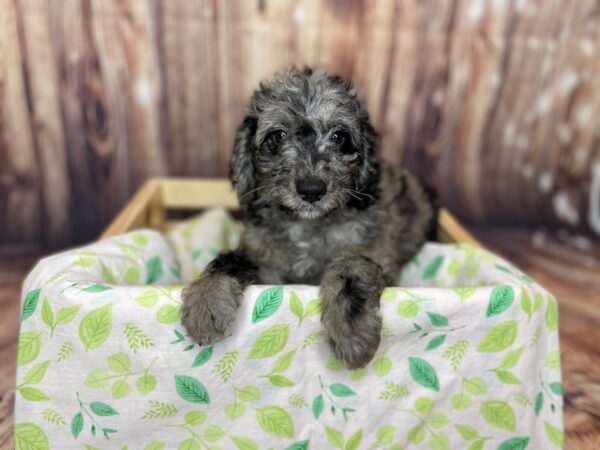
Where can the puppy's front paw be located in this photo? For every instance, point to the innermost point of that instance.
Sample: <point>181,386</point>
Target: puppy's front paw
<point>209,307</point>
<point>357,347</point>
<point>351,289</point>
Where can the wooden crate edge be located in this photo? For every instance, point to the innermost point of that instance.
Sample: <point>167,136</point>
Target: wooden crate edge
<point>136,212</point>
<point>147,206</point>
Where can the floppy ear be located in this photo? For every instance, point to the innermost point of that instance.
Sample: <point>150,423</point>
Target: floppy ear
<point>369,171</point>
<point>241,168</point>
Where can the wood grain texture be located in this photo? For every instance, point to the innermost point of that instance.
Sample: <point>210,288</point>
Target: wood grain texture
<point>44,110</point>
<point>19,187</point>
<point>497,103</point>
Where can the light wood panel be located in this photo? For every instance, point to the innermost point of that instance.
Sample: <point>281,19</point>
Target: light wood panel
<point>497,103</point>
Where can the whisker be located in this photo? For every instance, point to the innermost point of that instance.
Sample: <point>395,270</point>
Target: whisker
<point>252,191</point>
<point>360,193</point>
<point>351,192</point>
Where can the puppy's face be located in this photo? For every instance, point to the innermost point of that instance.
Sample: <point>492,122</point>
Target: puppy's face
<point>306,146</point>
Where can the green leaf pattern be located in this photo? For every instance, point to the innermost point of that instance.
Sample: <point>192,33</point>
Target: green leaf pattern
<point>469,357</point>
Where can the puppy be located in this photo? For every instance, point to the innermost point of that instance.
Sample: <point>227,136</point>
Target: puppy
<point>320,209</point>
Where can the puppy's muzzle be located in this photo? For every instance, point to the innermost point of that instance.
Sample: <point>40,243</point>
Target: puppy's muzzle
<point>311,190</point>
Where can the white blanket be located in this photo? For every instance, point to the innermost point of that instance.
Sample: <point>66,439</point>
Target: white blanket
<point>469,357</point>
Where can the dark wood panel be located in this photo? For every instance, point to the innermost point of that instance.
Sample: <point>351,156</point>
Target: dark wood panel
<point>496,103</point>
<point>19,170</point>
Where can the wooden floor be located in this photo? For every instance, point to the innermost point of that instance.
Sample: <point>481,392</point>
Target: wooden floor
<point>12,270</point>
<point>566,265</point>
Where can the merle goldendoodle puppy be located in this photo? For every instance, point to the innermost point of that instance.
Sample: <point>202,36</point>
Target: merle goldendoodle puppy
<point>320,209</point>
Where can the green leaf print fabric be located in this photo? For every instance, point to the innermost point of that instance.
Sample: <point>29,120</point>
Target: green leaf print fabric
<point>469,356</point>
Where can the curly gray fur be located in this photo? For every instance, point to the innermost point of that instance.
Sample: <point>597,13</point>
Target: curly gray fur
<point>320,209</point>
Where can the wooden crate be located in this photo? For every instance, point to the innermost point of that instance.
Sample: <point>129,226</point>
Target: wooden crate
<point>147,209</point>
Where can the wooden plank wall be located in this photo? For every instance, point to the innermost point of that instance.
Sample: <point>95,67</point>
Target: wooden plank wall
<point>495,102</point>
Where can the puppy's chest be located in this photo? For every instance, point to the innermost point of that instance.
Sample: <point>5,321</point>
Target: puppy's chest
<point>303,248</point>
<point>306,241</point>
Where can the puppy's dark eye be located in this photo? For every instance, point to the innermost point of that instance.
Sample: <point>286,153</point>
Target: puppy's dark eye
<point>344,144</point>
<point>274,139</point>
<point>338,137</point>
<point>279,135</point>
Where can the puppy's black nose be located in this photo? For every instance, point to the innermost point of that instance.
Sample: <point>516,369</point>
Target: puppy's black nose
<point>311,190</point>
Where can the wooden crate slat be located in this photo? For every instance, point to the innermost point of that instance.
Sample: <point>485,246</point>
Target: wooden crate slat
<point>137,212</point>
<point>451,231</point>
<point>182,193</point>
